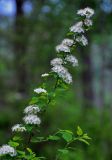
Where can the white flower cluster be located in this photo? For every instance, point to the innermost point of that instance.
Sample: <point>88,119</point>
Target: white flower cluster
<point>65,45</point>
<point>88,22</point>
<point>67,42</point>
<point>56,61</point>
<point>31,117</point>
<point>62,73</point>
<point>6,149</point>
<point>87,12</point>
<point>40,90</point>
<point>18,128</point>
<point>82,39</point>
<point>33,109</point>
<point>72,59</point>
<point>77,28</point>
<point>62,48</point>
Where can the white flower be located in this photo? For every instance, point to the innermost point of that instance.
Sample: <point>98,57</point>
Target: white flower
<point>67,78</point>
<point>59,69</point>
<point>56,61</point>
<point>45,75</point>
<point>67,42</point>
<point>88,12</point>
<point>62,48</point>
<point>82,39</point>
<point>40,90</point>
<point>77,28</point>
<point>63,73</point>
<point>18,128</point>
<point>6,149</point>
<point>32,109</point>
<point>88,22</point>
<point>32,119</point>
<point>72,59</point>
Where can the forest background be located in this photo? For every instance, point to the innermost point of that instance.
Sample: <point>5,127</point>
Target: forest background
<point>29,32</point>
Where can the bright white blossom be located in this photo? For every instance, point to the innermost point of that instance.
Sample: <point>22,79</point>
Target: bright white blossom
<point>40,90</point>
<point>56,61</point>
<point>63,73</point>
<point>82,39</point>
<point>72,59</point>
<point>6,149</point>
<point>77,28</point>
<point>32,109</point>
<point>32,119</point>
<point>45,75</point>
<point>88,12</point>
<point>67,42</point>
<point>62,48</point>
<point>88,22</point>
<point>18,128</point>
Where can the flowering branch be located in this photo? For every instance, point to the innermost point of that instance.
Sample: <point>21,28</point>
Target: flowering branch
<point>44,95</point>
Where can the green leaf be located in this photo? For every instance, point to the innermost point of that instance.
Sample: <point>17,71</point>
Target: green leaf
<point>13,144</point>
<point>54,138</point>
<point>63,151</point>
<point>34,100</point>
<point>43,97</point>
<point>85,136</point>
<point>83,140</point>
<point>69,33</point>
<point>21,152</point>
<point>37,139</point>
<point>67,136</point>
<point>79,131</point>
<point>29,128</point>
<point>17,138</point>
<point>29,150</point>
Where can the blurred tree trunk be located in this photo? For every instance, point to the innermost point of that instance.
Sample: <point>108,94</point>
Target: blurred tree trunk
<point>86,76</point>
<point>20,48</point>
